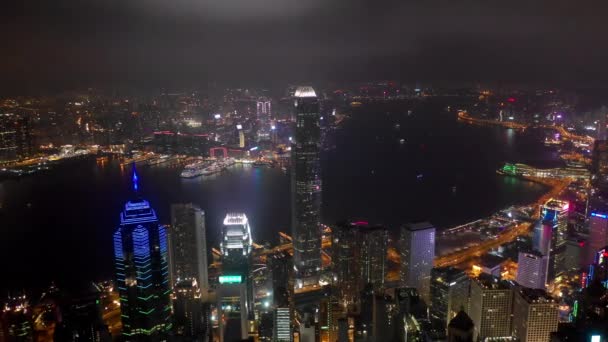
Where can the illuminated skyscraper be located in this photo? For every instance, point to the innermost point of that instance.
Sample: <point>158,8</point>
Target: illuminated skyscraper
<point>236,286</point>
<point>532,269</point>
<point>188,244</point>
<point>142,271</point>
<point>535,315</point>
<point>236,241</point>
<point>306,187</point>
<point>554,218</point>
<point>417,245</point>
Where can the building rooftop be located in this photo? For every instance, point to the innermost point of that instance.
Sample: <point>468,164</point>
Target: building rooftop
<point>235,218</point>
<point>419,226</point>
<point>535,295</point>
<point>490,282</point>
<point>490,261</point>
<point>305,91</point>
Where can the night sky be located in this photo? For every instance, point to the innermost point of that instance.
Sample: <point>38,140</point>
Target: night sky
<point>59,43</point>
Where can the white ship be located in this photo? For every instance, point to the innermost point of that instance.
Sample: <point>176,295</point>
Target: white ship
<point>194,170</point>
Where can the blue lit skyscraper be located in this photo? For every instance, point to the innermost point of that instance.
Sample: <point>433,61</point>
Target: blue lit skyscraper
<point>142,272</point>
<point>306,188</point>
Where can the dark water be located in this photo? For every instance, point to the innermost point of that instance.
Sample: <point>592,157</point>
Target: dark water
<point>58,226</point>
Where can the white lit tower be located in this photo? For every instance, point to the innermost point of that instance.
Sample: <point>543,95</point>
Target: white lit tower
<point>306,188</point>
<point>235,293</point>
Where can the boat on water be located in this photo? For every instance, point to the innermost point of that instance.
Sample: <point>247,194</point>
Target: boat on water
<point>193,170</point>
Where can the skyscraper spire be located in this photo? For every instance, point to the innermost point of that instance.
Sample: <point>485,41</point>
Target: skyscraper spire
<point>135,180</point>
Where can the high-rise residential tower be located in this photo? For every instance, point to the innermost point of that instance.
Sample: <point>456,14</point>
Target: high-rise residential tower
<point>306,187</point>
<point>188,245</point>
<point>417,244</point>
<point>142,272</point>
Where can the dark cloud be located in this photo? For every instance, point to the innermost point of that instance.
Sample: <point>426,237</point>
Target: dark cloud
<point>66,42</point>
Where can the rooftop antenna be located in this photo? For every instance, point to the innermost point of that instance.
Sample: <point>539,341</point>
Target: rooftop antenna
<point>135,180</point>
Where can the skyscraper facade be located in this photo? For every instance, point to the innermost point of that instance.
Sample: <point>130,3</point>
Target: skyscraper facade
<point>142,273</point>
<point>532,269</point>
<point>306,187</point>
<point>188,244</point>
<point>491,301</point>
<point>535,315</point>
<point>373,249</point>
<point>189,317</point>
<point>417,244</point>
<point>554,216</point>
<point>449,294</point>
<point>282,325</point>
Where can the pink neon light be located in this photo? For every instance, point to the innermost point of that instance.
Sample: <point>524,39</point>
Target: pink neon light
<point>361,223</point>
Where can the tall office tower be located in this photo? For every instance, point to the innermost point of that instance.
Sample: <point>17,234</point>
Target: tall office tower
<point>345,254</point>
<point>598,235</point>
<point>461,328</point>
<point>232,306</point>
<point>554,216</point>
<point>241,138</point>
<point>417,244</point>
<point>573,257</point>
<point>373,249</point>
<point>449,294</point>
<point>329,312</point>
<point>491,301</point>
<point>306,188</point>
<point>236,242</point>
<point>282,325</point>
<point>188,245</point>
<point>535,315</point>
<point>532,269</point>
<point>15,137</point>
<point>142,274</point>
<point>188,310</point>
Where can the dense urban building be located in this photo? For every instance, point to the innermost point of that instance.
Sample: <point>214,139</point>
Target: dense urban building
<point>461,328</point>
<point>142,274</point>
<point>417,246</point>
<point>491,307</point>
<point>449,294</point>
<point>190,321</point>
<point>535,315</point>
<point>306,188</point>
<point>532,270</point>
<point>15,137</point>
<point>188,245</point>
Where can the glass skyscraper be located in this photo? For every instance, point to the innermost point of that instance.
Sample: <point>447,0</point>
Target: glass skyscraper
<point>142,273</point>
<point>306,187</point>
